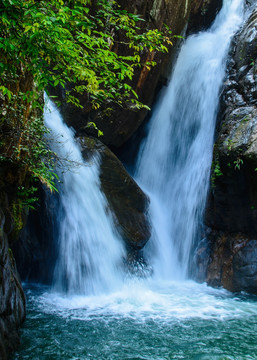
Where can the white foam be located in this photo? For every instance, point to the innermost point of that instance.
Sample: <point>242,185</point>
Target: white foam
<point>144,300</point>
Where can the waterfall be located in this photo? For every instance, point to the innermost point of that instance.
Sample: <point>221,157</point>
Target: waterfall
<point>173,168</point>
<point>90,251</point>
<point>174,162</point>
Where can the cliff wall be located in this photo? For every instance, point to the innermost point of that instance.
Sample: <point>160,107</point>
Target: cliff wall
<point>231,245</point>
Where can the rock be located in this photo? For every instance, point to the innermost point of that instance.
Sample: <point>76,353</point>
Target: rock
<point>233,198</point>
<point>203,13</point>
<point>232,261</point>
<point>201,260</point>
<point>12,298</point>
<point>245,267</point>
<point>232,204</point>
<point>36,251</point>
<point>127,201</point>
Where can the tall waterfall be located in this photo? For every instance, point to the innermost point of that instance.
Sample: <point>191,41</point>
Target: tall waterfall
<point>90,251</point>
<point>174,162</point>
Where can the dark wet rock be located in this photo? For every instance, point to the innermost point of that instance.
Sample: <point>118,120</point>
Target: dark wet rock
<point>245,267</point>
<point>232,205</point>
<point>233,197</point>
<point>232,261</point>
<point>36,251</point>
<point>203,13</point>
<point>127,201</point>
<point>12,298</point>
<point>201,260</point>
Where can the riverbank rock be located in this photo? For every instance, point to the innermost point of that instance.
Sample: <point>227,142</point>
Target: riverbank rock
<point>232,204</point>
<point>12,298</point>
<point>228,260</point>
<point>127,201</point>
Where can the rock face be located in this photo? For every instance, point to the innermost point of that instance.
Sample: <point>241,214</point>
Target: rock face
<point>228,260</point>
<point>203,13</point>
<point>36,251</point>
<point>127,201</point>
<point>232,208</point>
<point>12,298</point>
<point>122,123</point>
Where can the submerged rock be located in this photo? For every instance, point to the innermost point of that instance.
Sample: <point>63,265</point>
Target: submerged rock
<point>232,205</point>
<point>127,201</point>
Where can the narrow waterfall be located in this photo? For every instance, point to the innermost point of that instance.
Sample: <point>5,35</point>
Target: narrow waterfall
<point>90,251</point>
<point>173,166</point>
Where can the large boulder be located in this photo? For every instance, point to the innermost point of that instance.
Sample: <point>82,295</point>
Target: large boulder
<point>127,201</point>
<point>232,205</point>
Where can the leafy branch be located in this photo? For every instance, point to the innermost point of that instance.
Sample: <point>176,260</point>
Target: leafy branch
<point>55,43</point>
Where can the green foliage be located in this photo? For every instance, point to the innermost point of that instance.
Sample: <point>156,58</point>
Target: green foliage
<point>63,42</point>
<point>23,144</point>
<point>54,43</point>
<point>17,216</point>
<point>230,144</point>
<point>216,171</point>
<point>238,163</point>
<point>92,124</point>
<point>26,196</point>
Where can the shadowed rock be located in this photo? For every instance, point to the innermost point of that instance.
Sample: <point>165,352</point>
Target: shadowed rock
<point>12,298</point>
<point>127,201</point>
<point>232,205</point>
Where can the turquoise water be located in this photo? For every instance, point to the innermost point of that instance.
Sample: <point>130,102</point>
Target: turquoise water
<point>141,321</point>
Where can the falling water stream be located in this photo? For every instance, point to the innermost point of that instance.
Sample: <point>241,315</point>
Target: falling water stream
<point>90,250</point>
<point>174,163</point>
<point>94,309</point>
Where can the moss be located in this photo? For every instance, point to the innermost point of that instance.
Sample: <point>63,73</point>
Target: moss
<point>17,210</point>
<point>11,256</point>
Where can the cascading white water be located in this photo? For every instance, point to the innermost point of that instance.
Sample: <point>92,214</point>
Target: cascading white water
<point>90,251</point>
<point>173,168</point>
<point>174,162</point>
